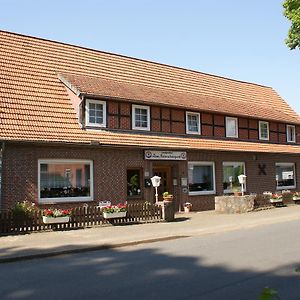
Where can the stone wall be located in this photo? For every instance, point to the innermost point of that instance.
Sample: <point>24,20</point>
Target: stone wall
<point>234,204</point>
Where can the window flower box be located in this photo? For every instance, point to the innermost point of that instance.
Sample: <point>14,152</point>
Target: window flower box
<point>275,198</point>
<point>121,214</point>
<point>56,216</point>
<point>296,196</point>
<point>114,211</point>
<point>51,220</point>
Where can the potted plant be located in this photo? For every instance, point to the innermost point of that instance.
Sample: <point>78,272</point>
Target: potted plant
<point>114,211</point>
<point>51,216</point>
<point>167,196</point>
<point>187,207</point>
<point>296,196</point>
<point>276,198</point>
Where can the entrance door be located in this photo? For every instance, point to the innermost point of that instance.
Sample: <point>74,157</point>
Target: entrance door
<point>165,182</point>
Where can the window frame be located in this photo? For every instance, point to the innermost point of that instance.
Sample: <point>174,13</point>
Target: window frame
<point>236,126</point>
<point>229,163</point>
<point>279,188</point>
<point>260,131</point>
<point>87,114</point>
<point>65,199</point>
<point>134,106</point>
<point>187,113</point>
<point>294,133</point>
<point>204,163</point>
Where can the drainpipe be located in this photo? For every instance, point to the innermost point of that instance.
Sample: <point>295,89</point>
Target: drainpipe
<point>2,146</point>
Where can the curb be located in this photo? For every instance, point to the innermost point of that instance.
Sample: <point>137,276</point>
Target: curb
<point>87,249</point>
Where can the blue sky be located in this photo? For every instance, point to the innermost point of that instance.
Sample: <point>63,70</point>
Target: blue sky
<point>238,39</point>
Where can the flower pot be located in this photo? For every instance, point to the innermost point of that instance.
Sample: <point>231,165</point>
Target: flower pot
<point>237,194</point>
<point>168,198</point>
<point>187,209</point>
<point>121,214</point>
<point>52,220</point>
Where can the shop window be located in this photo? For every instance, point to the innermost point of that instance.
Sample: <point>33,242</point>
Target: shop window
<point>95,113</point>
<point>65,180</point>
<point>232,127</point>
<point>140,117</point>
<point>201,177</point>
<point>192,123</point>
<point>231,171</point>
<point>285,176</point>
<point>133,182</point>
<point>263,130</point>
<point>291,134</point>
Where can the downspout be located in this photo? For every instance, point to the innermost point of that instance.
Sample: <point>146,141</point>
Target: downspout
<point>1,164</point>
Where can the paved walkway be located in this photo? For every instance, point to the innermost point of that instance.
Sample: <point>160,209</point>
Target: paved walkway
<point>43,244</point>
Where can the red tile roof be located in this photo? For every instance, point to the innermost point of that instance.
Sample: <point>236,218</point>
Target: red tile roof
<point>35,106</point>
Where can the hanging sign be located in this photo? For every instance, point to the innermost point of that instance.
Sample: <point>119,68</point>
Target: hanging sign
<point>165,155</point>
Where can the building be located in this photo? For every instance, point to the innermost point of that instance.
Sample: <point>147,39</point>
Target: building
<point>80,126</point>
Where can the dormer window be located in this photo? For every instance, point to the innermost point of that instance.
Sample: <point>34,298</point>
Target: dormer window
<point>192,123</point>
<point>232,127</point>
<point>264,130</point>
<point>95,113</point>
<point>290,133</point>
<point>140,117</point>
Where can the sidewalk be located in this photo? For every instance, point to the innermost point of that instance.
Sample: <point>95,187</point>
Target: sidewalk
<point>43,244</point>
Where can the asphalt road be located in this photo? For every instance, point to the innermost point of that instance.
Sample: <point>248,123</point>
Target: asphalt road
<point>231,265</point>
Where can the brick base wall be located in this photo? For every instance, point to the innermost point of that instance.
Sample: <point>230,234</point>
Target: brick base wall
<point>20,172</point>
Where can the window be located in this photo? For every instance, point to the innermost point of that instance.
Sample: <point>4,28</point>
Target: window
<point>232,127</point>
<point>201,178</point>
<point>285,176</point>
<point>65,180</point>
<point>140,117</point>
<point>231,171</point>
<point>263,130</point>
<point>291,134</point>
<point>95,113</point>
<point>133,182</point>
<point>192,123</point>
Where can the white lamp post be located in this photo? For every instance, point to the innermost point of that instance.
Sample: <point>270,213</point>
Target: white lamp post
<point>156,183</point>
<point>242,180</point>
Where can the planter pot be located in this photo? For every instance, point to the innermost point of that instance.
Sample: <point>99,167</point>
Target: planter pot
<point>121,214</point>
<point>275,200</point>
<point>168,198</point>
<point>187,209</point>
<point>237,194</point>
<point>51,220</point>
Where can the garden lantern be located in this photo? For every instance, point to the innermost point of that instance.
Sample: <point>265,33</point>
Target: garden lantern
<point>156,183</point>
<point>242,180</point>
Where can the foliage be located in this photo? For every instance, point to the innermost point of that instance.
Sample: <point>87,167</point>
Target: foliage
<point>292,12</point>
<point>296,195</point>
<point>268,294</point>
<point>115,208</point>
<point>166,194</point>
<point>276,197</point>
<point>23,209</point>
<point>55,213</point>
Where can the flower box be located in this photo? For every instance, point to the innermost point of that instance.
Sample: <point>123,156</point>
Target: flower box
<point>296,198</point>
<point>277,200</point>
<point>120,214</point>
<point>53,220</point>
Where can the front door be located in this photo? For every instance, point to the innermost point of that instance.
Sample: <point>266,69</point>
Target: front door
<point>165,182</point>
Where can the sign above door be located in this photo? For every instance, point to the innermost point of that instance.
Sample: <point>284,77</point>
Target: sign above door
<point>165,155</point>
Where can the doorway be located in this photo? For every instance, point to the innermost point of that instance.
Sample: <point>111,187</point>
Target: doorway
<point>165,183</point>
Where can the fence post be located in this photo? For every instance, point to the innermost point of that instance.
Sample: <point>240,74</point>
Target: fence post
<point>168,211</point>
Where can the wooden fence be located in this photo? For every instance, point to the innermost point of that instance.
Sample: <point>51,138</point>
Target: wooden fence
<point>81,217</point>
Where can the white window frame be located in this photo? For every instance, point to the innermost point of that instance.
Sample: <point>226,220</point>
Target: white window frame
<point>187,113</point>
<point>204,163</point>
<point>66,199</point>
<point>294,169</point>
<point>293,140</point>
<point>236,127</point>
<point>230,163</point>
<point>134,106</point>
<point>260,131</point>
<point>87,115</point>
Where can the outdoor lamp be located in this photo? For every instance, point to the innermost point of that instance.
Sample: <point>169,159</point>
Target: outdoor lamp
<point>242,180</point>
<point>156,183</point>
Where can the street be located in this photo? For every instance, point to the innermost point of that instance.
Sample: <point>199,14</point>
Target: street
<point>229,265</point>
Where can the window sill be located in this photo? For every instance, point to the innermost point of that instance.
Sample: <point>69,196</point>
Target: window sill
<point>280,188</point>
<point>203,193</point>
<point>64,200</point>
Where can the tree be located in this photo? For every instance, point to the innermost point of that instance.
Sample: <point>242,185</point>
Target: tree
<point>292,12</point>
